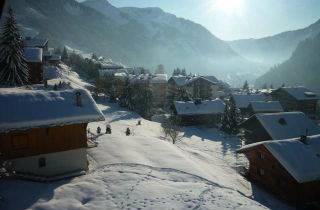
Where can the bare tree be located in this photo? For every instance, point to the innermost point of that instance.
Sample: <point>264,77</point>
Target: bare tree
<point>172,130</point>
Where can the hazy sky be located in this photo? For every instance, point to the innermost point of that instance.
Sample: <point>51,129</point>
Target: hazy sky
<point>235,19</point>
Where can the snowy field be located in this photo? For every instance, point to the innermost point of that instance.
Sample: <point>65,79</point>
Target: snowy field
<point>146,171</point>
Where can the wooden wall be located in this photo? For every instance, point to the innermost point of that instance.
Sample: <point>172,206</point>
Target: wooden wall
<point>35,73</point>
<point>267,171</point>
<point>37,141</point>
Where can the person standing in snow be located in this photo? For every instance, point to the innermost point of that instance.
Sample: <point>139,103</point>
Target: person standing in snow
<point>108,129</point>
<point>98,130</point>
<point>128,132</point>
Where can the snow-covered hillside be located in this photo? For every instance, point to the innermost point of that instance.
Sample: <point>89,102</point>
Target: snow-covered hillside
<point>146,171</point>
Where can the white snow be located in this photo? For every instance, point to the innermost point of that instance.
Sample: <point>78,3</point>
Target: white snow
<point>33,54</point>
<point>205,107</point>
<point>301,93</point>
<point>22,109</point>
<point>159,78</point>
<point>299,159</point>
<point>293,124</point>
<point>146,171</point>
<point>265,107</point>
<point>243,100</point>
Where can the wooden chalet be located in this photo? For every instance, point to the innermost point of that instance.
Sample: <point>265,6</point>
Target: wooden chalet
<point>297,99</point>
<point>242,101</point>
<point>202,88</point>
<point>199,112</point>
<point>43,133</point>
<point>36,42</point>
<point>33,57</point>
<point>282,125</point>
<point>256,107</point>
<point>288,168</point>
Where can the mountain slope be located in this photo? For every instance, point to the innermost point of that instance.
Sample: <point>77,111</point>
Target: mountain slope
<point>135,37</point>
<point>303,68</point>
<point>274,49</point>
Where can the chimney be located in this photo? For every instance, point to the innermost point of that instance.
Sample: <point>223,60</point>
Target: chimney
<point>78,99</point>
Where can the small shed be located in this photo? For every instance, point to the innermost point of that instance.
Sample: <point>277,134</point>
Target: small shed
<point>282,125</point>
<point>256,107</point>
<point>199,112</point>
<point>288,168</point>
<point>43,133</point>
<point>297,99</point>
<point>33,57</point>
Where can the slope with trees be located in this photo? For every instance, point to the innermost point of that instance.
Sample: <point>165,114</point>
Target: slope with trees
<point>303,68</point>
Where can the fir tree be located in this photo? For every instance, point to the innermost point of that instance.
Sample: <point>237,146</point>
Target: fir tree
<point>246,86</point>
<point>229,119</point>
<point>65,55</point>
<point>13,66</point>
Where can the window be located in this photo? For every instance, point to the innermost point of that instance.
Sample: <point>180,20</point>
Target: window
<point>42,162</point>
<point>261,172</point>
<point>261,156</point>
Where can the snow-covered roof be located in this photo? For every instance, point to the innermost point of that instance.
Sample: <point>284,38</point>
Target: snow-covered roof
<point>243,100</point>
<point>35,42</point>
<point>263,106</point>
<point>301,160</point>
<point>286,125</point>
<point>301,93</point>
<point>179,80</point>
<point>55,57</point>
<point>23,109</point>
<point>33,54</point>
<point>193,79</point>
<point>205,107</point>
<point>159,78</point>
<point>109,64</point>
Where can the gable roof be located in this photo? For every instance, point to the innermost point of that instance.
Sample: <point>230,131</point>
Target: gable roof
<point>205,107</point>
<point>23,109</point>
<point>263,106</point>
<point>300,93</point>
<point>243,100</point>
<point>179,80</point>
<point>301,160</point>
<point>286,125</point>
<point>33,54</point>
<point>35,42</point>
<point>193,79</point>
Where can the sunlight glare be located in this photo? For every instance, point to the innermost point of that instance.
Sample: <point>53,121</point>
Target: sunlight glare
<point>229,7</point>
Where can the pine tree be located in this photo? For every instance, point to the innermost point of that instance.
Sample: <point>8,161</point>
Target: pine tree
<point>229,119</point>
<point>13,66</point>
<point>246,86</point>
<point>65,55</point>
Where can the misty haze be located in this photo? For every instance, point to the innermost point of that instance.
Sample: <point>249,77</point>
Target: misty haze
<point>159,104</point>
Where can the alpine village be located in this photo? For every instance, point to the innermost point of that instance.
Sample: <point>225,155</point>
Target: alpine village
<point>81,131</point>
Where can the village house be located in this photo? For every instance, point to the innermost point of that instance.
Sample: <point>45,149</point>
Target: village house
<point>43,133</point>
<point>288,168</point>
<point>297,99</point>
<point>37,42</point>
<point>208,112</point>
<point>242,101</point>
<point>256,107</point>
<point>275,126</point>
<point>202,88</point>
<point>33,58</point>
